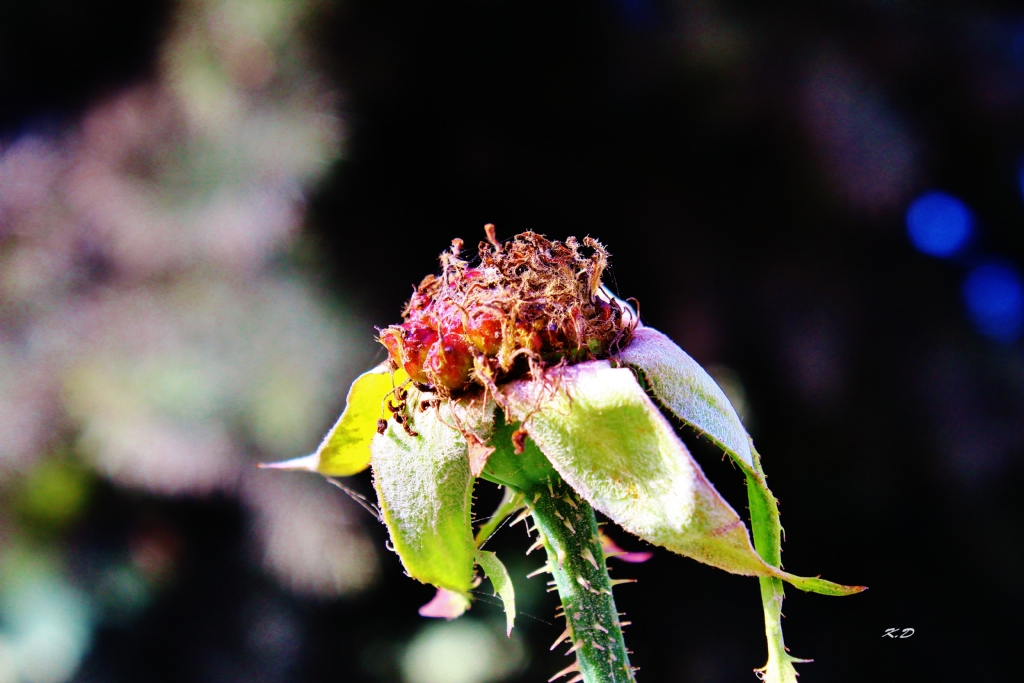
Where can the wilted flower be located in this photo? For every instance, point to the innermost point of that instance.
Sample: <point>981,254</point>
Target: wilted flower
<point>525,371</point>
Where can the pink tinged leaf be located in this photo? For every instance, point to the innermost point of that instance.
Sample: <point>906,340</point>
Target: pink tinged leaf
<point>612,445</point>
<point>688,391</point>
<point>445,604</point>
<point>612,550</point>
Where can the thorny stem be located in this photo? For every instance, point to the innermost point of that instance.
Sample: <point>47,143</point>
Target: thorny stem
<point>569,533</point>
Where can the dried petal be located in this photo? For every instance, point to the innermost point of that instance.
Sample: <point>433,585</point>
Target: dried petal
<point>531,303</point>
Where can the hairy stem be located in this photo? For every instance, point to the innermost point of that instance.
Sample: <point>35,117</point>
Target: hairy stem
<point>569,532</point>
<point>764,516</point>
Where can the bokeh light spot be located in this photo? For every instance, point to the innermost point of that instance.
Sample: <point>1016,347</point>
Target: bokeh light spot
<point>1017,46</point>
<point>995,299</point>
<point>637,14</point>
<point>939,224</point>
<point>464,651</point>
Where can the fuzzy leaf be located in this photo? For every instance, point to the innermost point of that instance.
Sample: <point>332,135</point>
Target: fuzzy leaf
<point>608,440</point>
<point>688,391</point>
<point>424,488</point>
<point>502,583</point>
<point>346,448</point>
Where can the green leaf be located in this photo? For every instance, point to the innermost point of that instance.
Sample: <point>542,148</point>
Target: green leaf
<point>608,440</point>
<point>502,583</point>
<point>346,448</point>
<point>424,489</point>
<point>688,391</point>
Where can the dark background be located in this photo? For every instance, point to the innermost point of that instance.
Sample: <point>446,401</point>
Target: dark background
<point>749,168</point>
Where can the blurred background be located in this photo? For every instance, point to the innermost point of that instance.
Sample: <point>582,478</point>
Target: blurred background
<point>207,205</point>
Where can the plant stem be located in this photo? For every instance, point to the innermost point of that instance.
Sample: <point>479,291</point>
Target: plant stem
<point>569,532</point>
<point>767,532</point>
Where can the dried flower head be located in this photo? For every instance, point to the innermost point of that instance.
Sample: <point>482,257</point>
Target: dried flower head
<point>529,304</point>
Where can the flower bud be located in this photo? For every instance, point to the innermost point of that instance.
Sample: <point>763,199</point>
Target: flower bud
<point>449,362</point>
<point>485,332</point>
<point>530,302</point>
<point>415,343</point>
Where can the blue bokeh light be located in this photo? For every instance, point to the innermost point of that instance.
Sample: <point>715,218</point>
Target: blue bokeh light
<point>939,224</point>
<point>637,14</point>
<point>994,295</point>
<point>1017,46</point>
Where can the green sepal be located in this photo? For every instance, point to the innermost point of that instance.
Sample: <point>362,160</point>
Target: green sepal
<point>688,391</point>
<point>424,489</point>
<point>345,450</point>
<point>608,440</point>
<point>502,583</point>
<point>518,471</point>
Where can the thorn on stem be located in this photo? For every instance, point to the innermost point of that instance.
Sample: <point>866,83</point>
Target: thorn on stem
<point>566,634</point>
<point>522,516</point>
<point>575,666</point>
<point>538,572</point>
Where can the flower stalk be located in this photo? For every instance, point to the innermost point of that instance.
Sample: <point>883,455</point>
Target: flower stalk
<point>767,533</point>
<point>568,530</point>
